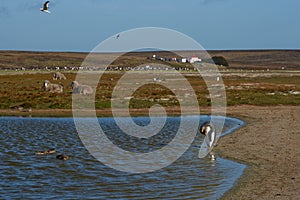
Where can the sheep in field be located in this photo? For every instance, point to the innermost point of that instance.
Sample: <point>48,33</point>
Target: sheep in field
<point>59,75</point>
<point>50,87</point>
<point>81,89</point>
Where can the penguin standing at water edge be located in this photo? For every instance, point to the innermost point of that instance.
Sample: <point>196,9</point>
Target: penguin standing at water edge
<point>209,131</point>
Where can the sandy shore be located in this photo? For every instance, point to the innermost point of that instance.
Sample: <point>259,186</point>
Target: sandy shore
<point>268,144</point>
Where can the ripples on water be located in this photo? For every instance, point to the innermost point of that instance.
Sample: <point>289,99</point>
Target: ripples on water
<point>26,175</point>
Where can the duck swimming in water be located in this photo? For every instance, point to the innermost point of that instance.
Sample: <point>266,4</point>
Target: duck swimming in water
<point>62,157</point>
<point>40,152</point>
<point>49,151</point>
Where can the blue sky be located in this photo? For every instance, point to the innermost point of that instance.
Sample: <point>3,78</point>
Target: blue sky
<point>80,25</point>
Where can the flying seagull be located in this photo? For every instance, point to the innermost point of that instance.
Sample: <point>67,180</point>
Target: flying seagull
<point>45,7</point>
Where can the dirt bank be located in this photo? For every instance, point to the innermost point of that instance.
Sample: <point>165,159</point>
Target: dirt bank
<point>269,144</point>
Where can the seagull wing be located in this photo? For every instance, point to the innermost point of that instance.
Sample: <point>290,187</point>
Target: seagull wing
<point>46,5</point>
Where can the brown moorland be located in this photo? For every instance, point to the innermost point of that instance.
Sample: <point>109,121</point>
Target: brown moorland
<point>237,59</point>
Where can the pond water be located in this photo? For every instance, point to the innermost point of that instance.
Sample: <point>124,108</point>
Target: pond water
<point>26,175</point>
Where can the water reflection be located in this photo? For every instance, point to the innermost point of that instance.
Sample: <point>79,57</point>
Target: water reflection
<point>26,175</point>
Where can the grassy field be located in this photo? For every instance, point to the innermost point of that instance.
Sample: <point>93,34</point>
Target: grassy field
<point>253,83</point>
<point>255,89</point>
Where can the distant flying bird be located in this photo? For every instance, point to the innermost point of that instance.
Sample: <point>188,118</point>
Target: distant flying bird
<point>45,7</point>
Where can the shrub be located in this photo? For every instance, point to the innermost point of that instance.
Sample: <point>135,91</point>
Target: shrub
<point>220,60</point>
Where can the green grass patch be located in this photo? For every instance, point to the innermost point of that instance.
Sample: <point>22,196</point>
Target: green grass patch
<point>25,90</point>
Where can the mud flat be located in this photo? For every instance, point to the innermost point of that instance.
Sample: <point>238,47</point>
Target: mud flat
<point>269,145</point>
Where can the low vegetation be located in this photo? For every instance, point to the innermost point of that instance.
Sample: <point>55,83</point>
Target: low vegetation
<point>25,90</point>
<point>220,60</point>
<point>22,75</point>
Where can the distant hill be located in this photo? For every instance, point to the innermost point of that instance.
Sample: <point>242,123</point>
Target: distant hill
<point>261,59</point>
<point>237,59</point>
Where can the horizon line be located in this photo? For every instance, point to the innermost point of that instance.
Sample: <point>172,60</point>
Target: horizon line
<point>152,50</point>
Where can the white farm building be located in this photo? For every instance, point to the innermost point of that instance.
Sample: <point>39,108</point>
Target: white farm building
<point>194,59</point>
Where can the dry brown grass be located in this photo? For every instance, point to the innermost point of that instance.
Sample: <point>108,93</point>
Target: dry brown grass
<point>261,59</point>
<point>237,59</point>
<point>242,87</point>
<point>26,90</point>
